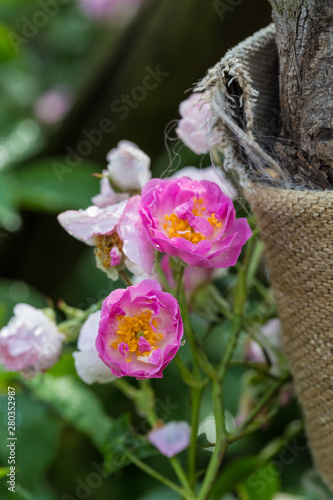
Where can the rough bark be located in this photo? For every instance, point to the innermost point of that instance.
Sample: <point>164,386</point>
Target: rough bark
<point>305,47</point>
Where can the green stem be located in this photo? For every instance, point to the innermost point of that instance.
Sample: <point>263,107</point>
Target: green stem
<point>179,280</point>
<point>181,474</point>
<point>221,443</point>
<point>70,328</point>
<point>257,409</point>
<point>262,369</point>
<point>159,477</point>
<point>126,279</point>
<point>161,275</point>
<point>231,345</point>
<point>199,355</point>
<point>196,394</point>
<point>148,402</point>
<point>127,389</point>
<point>186,375</point>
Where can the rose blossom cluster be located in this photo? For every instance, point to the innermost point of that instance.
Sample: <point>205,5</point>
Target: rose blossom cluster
<point>187,218</point>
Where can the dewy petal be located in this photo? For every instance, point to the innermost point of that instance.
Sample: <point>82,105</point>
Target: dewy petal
<point>85,224</point>
<point>89,331</point>
<point>88,365</point>
<point>172,438</point>
<point>136,245</point>
<point>212,174</point>
<point>129,167</point>
<point>90,368</point>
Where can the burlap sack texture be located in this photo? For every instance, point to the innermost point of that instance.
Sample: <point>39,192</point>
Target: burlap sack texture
<point>296,227</point>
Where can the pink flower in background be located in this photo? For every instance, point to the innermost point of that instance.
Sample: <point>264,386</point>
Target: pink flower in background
<point>129,167</point>
<point>107,195</point>
<point>171,438</point>
<point>212,174</point>
<point>101,9</point>
<point>117,234</point>
<point>271,339</point>
<point>30,343</point>
<point>194,277</point>
<point>195,128</point>
<point>194,221</point>
<point>140,330</point>
<point>52,106</point>
<point>87,363</point>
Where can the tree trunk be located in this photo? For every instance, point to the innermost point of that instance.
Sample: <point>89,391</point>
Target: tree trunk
<point>305,46</point>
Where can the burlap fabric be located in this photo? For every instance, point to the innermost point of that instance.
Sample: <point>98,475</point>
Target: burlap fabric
<point>296,226</point>
<point>297,229</point>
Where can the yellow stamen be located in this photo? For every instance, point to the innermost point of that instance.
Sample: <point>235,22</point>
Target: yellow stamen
<point>176,227</point>
<point>213,221</point>
<point>104,245</point>
<point>131,329</point>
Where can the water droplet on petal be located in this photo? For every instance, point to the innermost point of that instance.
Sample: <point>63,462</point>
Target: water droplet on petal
<point>182,342</point>
<point>179,183</point>
<point>160,190</point>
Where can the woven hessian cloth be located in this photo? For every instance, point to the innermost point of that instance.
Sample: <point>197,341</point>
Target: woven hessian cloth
<point>297,230</point>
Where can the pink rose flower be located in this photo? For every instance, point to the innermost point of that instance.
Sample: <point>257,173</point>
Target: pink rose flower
<point>140,330</point>
<point>129,167</point>
<point>195,128</point>
<point>171,438</point>
<point>117,234</point>
<point>107,195</point>
<point>90,368</point>
<point>194,221</point>
<point>30,343</point>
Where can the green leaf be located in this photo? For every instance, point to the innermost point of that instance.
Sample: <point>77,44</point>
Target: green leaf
<point>7,51</point>
<point>235,472</point>
<point>249,477</point>
<point>53,185</point>
<point>4,471</point>
<point>76,404</point>
<point>37,432</point>
<point>65,366</point>
<point>263,483</point>
<point>122,440</point>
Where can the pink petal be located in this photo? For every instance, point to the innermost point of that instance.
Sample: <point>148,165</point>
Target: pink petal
<point>172,438</point>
